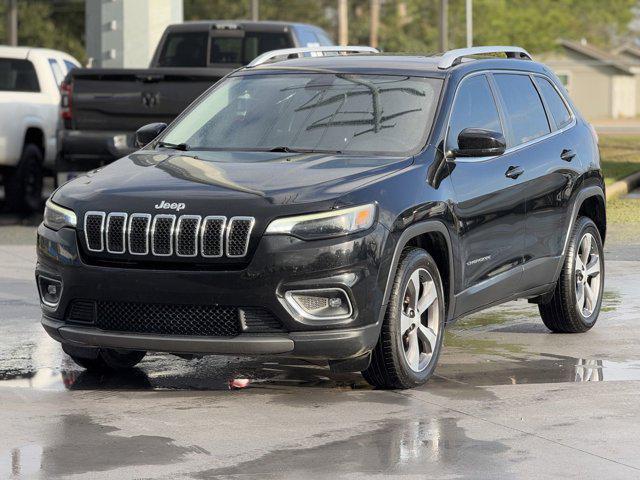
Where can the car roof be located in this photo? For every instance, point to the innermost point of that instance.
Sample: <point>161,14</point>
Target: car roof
<point>390,64</point>
<point>24,52</point>
<point>240,24</point>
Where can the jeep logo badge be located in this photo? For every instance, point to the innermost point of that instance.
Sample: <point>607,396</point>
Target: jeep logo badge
<point>170,206</point>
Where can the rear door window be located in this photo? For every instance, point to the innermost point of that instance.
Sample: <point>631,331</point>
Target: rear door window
<point>18,76</point>
<point>474,107</point>
<point>524,112</point>
<point>555,104</point>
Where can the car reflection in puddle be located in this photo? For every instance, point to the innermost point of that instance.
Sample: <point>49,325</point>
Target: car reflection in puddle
<point>211,375</point>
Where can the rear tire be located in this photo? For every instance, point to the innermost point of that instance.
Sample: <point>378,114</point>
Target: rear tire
<point>413,329</point>
<point>109,360</point>
<point>23,186</point>
<point>575,304</point>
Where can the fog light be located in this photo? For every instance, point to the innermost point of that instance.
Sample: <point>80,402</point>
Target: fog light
<point>320,304</point>
<point>50,290</point>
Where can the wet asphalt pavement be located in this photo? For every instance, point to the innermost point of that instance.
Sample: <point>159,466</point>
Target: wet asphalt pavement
<point>509,400</point>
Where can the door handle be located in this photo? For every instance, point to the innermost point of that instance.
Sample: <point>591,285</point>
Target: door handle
<point>567,155</point>
<point>514,172</point>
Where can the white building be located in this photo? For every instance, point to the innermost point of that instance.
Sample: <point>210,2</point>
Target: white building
<point>124,33</point>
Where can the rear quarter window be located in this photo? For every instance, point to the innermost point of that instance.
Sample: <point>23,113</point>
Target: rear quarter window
<point>555,104</point>
<point>18,76</point>
<point>524,111</point>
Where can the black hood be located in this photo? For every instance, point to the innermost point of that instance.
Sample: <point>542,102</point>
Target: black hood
<point>242,181</point>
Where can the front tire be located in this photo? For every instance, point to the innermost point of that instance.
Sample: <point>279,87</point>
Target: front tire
<point>109,360</point>
<point>575,304</point>
<point>413,329</point>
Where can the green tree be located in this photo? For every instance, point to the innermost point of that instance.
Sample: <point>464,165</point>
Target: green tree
<point>58,25</point>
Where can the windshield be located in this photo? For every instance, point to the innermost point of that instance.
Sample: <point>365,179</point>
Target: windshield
<point>312,112</point>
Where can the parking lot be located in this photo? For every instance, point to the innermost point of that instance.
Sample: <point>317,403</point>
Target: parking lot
<point>509,400</point>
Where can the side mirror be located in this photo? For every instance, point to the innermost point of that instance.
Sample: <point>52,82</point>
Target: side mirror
<point>478,142</point>
<point>148,132</point>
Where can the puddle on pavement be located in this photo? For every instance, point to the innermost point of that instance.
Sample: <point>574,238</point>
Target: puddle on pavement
<point>396,447</point>
<point>63,457</point>
<point>276,374</point>
<point>543,369</point>
<point>208,373</point>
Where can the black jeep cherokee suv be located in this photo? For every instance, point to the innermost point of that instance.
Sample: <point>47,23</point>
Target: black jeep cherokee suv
<point>343,208</point>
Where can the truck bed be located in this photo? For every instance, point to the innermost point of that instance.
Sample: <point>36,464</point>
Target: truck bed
<point>111,99</point>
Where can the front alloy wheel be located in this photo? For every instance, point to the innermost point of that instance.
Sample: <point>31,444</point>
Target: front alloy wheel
<point>413,328</point>
<point>419,320</point>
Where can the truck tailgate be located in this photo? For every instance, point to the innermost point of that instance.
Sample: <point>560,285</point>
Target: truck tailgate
<point>126,99</point>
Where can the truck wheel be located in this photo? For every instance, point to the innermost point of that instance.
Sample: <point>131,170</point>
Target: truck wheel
<point>110,360</point>
<point>575,304</point>
<point>411,338</point>
<point>23,186</point>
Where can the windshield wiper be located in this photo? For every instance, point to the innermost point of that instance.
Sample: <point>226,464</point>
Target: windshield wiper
<point>300,150</point>
<point>176,146</point>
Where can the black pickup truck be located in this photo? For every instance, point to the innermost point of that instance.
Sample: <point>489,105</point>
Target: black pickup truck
<point>103,107</point>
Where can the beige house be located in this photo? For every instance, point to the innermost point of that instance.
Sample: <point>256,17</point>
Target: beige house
<point>601,84</point>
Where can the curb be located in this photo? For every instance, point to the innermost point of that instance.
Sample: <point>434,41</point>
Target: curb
<point>624,186</point>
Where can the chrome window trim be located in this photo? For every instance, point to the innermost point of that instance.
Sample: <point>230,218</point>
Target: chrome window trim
<point>171,234</point>
<point>86,237</point>
<point>146,236</point>
<point>516,147</point>
<point>246,244</point>
<point>124,232</point>
<point>195,233</point>
<point>309,316</point>
<point>203,227</point>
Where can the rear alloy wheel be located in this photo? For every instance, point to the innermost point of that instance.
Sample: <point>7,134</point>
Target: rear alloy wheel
<point>577,298</point>
<point>411,337</point>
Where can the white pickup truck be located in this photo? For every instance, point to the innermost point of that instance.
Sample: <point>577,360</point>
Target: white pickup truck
<point>29,114</point>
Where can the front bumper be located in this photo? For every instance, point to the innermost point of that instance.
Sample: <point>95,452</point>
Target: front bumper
<point>278,264</point>
<point>330,344</point>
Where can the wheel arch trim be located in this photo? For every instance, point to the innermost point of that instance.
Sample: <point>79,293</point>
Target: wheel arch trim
<point>415,230</point>
<point>581,197</point>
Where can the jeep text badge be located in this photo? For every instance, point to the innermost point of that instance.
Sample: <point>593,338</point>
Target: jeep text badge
<point>163,205</point>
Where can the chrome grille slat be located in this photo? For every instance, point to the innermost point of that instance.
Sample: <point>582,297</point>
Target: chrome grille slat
<point>116,231</point>
<point>238,236</point>
<point>94,231</point>
<point>166,235</point>
<point>139,224</point>
<point>212,236</point>
<point>162,235</point>
<point>187,235</point>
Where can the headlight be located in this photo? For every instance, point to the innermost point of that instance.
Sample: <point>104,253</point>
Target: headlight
<point>56,217</point>
<point>326,224</point>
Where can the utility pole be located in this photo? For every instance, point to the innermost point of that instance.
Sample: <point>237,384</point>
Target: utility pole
<point>343,22</point>
<point>12,23</point>
<point>469,17</point>
<point>444,26</point>
<point>255,10</point>
<point>375,23</point>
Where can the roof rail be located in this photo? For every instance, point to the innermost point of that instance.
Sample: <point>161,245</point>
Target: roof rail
<point>453,57</point>
<point>313,51</point>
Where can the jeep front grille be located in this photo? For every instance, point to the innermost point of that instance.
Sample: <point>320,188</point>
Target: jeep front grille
<point>165,235</point>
